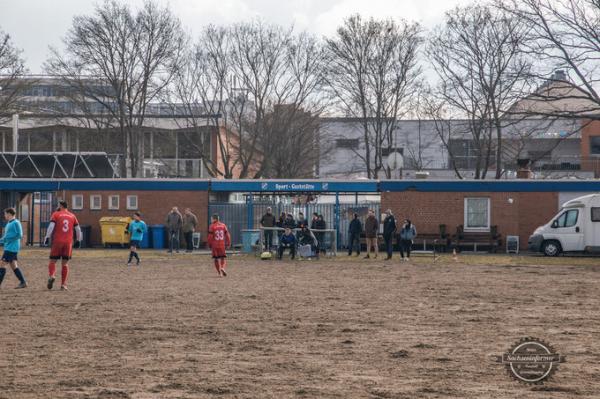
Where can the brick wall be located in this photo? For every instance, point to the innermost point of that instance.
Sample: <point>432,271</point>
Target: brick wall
<point>153,205</point>
<point>428,210</point>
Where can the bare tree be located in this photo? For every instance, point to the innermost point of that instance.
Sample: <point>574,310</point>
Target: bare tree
<point>132,55</point>
<point>562,35</point>
<point>245,75</point>
<point>12,68</point>
<point>477,55</point>
<point>372,72</point>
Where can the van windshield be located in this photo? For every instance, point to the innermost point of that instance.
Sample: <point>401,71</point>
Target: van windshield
<point>568,218</point>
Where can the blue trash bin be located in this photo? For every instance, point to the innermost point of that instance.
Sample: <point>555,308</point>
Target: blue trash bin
<point>249,238</point>
<point>146,240</point>
<point>158,236</point>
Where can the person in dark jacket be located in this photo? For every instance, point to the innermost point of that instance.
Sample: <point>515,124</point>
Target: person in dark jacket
<point>389,231</point>
<point>407,234</point>
<point>320,235</point>
<point>306,237</point>
<point>268,221</point>
<point>313,221</point>
<point>287,241</point>
<point>289,222</point>
<point>371,230</point>
<point>280,223</point>
<point>354,235</point>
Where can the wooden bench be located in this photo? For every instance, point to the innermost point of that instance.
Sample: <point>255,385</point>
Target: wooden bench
<point>434,241</point>
<point>491,240</point>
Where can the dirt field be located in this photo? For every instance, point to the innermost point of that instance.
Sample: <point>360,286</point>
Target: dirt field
<point>342,328</point>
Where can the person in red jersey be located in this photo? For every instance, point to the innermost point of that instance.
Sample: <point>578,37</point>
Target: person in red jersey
<point>60,231</point>
<point>218,240</point>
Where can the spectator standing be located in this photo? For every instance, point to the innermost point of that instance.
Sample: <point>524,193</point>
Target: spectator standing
<point>371,229</point>
<point>301,222</point>
<point>389,231</point>
<point>174,223</point>
<point>354,235</point>
<point>289,222</point>
<point>268,221</point>
<point>280,223</point>
<point>407,234</point>
<point>320,235</point>
<point>313,221</point>
<point>190,222</point>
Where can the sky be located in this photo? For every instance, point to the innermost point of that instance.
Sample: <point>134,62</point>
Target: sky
<point>34,25</point>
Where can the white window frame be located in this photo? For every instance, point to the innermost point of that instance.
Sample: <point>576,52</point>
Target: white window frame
<point>110,202</point>
<point>95,208</point>
<point>129,205</point>
<point>466,215</point>
<point>74,204</point>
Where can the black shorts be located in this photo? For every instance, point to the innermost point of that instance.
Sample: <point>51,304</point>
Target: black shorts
<point>135,243</point>
<point>9,256</point>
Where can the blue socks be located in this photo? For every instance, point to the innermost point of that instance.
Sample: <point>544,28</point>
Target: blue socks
<point>19,275</point>
<point>2,273</point>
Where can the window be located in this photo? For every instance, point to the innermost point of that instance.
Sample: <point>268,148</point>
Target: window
<point>595,214</point>
<point>387,151</point>
<point>477,214</point>
<point>95,202</point>
<point>113,202</point>
<point>132,202</point>
<point>347,143</point>
<point>595,145</point>
<point>568,218</point>
<point>77,201</point>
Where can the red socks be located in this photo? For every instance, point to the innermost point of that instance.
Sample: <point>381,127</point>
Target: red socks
<point>64,273</point>
<point>217,266</point>
<point>51,269</point>
<point>223,263</point>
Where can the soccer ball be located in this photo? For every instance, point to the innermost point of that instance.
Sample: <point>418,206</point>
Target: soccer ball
<point>266,255</point>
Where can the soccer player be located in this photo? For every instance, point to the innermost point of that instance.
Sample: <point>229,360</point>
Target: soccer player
<point>62,225</point>
<point>13,232</point>
<point>218,240</point>
<point>137,229</point>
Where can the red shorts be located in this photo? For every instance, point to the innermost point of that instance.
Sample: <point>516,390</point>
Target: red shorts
<point>61,250</point>
<point>218,253</point>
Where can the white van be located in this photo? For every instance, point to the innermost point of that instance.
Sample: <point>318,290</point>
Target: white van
<point>576,228</point>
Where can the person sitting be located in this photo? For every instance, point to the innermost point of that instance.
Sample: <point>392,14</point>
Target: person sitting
<point>307,242</point>
<point>288,240</point>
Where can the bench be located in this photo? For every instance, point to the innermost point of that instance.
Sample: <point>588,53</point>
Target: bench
<point>433,240</point>
<point>491,240</point>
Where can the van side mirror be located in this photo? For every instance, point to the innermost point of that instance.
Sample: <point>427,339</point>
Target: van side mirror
<point>555,224</point>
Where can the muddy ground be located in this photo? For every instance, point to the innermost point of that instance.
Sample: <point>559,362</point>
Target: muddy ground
<point>340,328</point>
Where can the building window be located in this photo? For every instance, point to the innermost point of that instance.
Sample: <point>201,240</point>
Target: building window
<point>113,202</point>
<point>595,145</point>
<point>477,214</point>
<point>132,202</point>
<point>351,144</point>
<point>387,151</point>
<point>77,201</point>
<point>95,202</point>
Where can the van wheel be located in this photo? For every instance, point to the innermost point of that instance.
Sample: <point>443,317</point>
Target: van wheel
<point>552,248</point>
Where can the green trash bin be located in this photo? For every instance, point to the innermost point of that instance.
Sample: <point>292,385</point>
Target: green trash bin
<point>249,238</point>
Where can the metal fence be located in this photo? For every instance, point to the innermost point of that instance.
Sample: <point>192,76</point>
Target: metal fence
<point>236,215</point>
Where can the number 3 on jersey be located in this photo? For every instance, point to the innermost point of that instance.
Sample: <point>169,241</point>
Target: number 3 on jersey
<point>219,235</point>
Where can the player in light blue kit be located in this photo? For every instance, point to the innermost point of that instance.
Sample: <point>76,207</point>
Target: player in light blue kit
<point>13,233</point>
<point>137,229</point>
